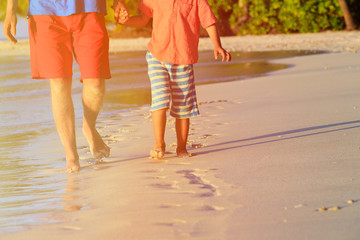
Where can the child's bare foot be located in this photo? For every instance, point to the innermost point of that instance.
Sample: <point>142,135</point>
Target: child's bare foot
<point>183,153</point>
<point>72,166</point>
<point>97,146</point>
<point>157,153</point>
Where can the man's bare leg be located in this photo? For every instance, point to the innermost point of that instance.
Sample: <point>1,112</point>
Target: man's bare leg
<point>182,131</point>
<point>159,125</point>
<point>64,116</point>
<point>93,96</point>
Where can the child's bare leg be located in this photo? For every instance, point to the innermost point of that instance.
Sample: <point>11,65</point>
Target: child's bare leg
<point>159,125</point>
<point>182,132</point>
<point>93,95</point>
<point>64,116</point>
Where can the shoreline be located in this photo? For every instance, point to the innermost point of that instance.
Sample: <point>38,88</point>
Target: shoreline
<point>341,41</point>
<point>275,158</point>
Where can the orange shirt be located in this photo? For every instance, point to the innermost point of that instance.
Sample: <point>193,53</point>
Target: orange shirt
<point>176,28</point>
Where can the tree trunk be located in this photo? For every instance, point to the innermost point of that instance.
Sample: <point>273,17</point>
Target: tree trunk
<point>245,17</point>
<point>349,22</point>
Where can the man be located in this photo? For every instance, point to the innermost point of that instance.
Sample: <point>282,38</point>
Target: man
<point>59,30</point>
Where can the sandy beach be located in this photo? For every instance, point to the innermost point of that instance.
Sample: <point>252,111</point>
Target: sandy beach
<point>326,41</point>
<point>276,157</point>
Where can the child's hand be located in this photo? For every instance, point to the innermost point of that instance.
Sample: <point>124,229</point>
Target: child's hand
<point>223,53</point>
<point>123,17</point>
<point>120,11</point>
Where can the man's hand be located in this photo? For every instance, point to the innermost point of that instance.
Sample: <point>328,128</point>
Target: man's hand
<point>9,26</point>
<point>223,53</point>
<point>121,14</point>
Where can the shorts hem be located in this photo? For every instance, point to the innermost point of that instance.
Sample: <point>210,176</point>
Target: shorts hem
<point>194,114</point>
<point>153,110</point>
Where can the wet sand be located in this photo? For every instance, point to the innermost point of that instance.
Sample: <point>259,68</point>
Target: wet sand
<point>275,158</point>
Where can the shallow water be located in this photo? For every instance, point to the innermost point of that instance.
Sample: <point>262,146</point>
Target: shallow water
<point>31,190</point>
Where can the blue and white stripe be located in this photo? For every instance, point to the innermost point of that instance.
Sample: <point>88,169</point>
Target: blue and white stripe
<point>172,83</point>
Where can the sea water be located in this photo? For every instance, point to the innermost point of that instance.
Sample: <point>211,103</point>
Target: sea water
<point>29,145</point>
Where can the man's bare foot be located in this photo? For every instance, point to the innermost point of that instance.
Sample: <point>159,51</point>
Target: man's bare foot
<point>72,166</point>
<point>183,153</point>
<point>97,146</point>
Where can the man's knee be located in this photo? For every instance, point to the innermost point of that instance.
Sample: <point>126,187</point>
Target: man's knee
<point>98,83</point>
<point>60,84</point>
<point>95,86</point>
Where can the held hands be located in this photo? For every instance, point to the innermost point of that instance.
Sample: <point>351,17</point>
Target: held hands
<point>223,53</point>
<point>9,27</point>
<point>121,14</point>
<point>123,17</point>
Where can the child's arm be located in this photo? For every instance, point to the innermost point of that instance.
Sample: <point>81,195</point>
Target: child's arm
<point>214,36</point>
<point>10,21</point>
<point>134,21</point>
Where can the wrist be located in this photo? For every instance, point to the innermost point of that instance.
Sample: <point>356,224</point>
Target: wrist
<point>11,9</point>
<point>217,46</point>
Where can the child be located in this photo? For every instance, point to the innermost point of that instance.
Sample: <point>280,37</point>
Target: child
<point>172,51</point>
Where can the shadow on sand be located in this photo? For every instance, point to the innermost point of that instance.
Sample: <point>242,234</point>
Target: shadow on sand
<point>304,132</point>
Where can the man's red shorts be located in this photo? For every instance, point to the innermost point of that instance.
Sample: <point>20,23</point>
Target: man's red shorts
<point>54,40</point>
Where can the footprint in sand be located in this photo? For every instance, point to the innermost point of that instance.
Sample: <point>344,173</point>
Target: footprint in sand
<point>157,170</point>
<point>127,125</point>
<point>170,205</point>
<point>157,177</point>
<point>197,145</point>
<point>72,208</point>
<point>123,130</point>
<point>210,102</point>
<point>222,123</point>
<point>211,208</point>
<point>206,136</point>
<point>172,185</point>
<point>196,178</point>
<point>115,117</point>
<point>171,223</point>
<point>109,142</point>
<point>206,195</point>
<point>73,228</point>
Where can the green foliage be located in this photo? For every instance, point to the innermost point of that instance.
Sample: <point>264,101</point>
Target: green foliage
<point>227,12</point>
<point>280,16</point>
<point>2,10</point>
<point>21,10</point>
<point>354,7</point>
<point>256,16</point>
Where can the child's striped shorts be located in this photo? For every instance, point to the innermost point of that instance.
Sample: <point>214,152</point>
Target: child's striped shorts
<point>172,83</point>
